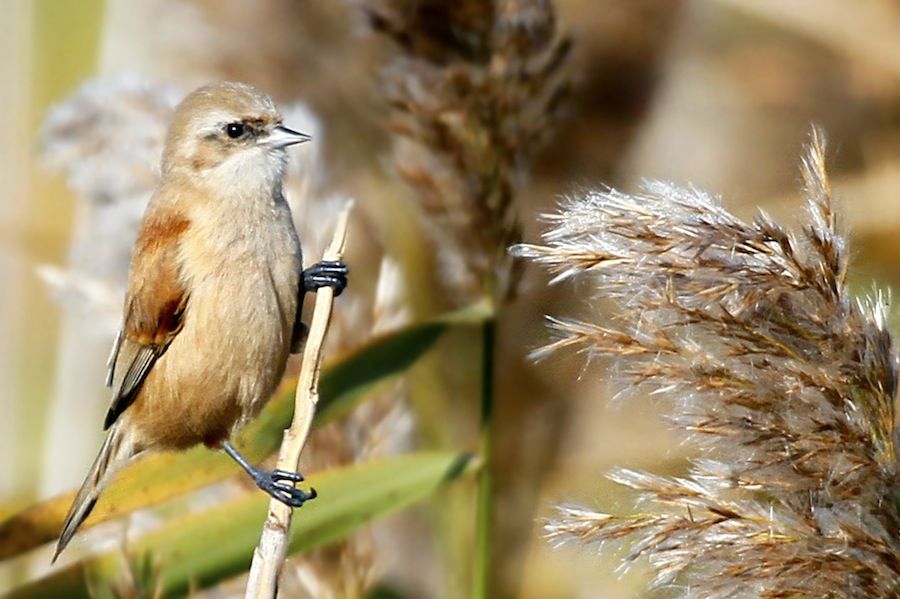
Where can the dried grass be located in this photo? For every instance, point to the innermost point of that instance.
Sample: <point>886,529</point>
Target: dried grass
<point>747,336</point>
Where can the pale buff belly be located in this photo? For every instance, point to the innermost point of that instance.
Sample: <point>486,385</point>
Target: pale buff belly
<point>224,364</point>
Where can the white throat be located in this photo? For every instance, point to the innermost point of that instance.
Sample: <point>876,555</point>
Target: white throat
<point>251,174</point>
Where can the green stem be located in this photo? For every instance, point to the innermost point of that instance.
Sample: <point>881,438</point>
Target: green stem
<point>485,514</point>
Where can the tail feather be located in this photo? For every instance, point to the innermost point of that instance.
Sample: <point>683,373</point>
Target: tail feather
<point>114,453</point>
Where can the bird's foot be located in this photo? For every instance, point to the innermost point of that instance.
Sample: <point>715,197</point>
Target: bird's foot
<point>279,484</point>
<point>327,273</point>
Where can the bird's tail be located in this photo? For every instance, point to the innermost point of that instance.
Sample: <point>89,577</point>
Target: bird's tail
<point>116,451</point>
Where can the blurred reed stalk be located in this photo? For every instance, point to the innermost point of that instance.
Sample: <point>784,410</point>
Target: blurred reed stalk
<point>747,337</point>
<point>474,87</point>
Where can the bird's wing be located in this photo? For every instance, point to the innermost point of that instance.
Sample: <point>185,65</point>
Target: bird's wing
<point>154,311</point>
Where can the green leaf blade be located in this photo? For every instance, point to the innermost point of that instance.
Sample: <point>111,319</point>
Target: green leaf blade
<point>200,550</point>
<point>159,477</point>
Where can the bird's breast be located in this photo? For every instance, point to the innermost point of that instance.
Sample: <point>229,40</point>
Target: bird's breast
<point>243,282</point>
<point>248,273</point>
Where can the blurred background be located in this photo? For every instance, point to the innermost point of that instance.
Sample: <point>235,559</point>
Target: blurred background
<point>715,93</point>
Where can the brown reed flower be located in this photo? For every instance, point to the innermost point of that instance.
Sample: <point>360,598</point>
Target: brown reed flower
<point>746,334</point>
<point>474,87</point>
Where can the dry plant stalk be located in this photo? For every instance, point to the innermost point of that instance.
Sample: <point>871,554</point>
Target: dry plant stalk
<point>746,334</point>
<point>269,556</point>
<point>380,427</point>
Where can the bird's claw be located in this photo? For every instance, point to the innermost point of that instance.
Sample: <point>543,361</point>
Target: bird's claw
<point>328,273</point>
<point>279,484</point>
<point>294,477</point>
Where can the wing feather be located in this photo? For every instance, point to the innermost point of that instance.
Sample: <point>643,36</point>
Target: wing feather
<point>134,362</point>
<point>111,361</point>
<point>154,311</point>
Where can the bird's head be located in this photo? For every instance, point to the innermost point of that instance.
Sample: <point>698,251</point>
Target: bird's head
<point>230,133</point>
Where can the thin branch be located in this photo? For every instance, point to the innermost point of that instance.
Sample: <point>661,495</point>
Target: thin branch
<point>269,555</point>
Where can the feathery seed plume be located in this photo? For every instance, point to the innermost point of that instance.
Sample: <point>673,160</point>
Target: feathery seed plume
<point>747,336</point>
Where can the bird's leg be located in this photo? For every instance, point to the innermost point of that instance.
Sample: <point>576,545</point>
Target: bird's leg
<point>279,484</point>
<point>327,273</point>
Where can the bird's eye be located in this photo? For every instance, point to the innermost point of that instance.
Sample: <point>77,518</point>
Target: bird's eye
<point>234,130</point>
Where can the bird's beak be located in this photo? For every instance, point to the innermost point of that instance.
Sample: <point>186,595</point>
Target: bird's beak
<point>282,137</point>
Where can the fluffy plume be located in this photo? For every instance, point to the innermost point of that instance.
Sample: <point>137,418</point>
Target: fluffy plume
<point>748,336</point>
<point>474,87</point>
<point>107,136</point>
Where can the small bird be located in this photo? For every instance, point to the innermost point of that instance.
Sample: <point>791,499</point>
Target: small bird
<point>215,292</point>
